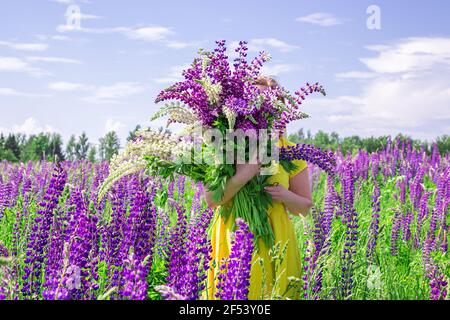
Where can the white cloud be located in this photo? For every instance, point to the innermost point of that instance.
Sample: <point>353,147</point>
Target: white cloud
<point>113,125</point>
<point>355,75</point>
<point>31,126</point>
<point>25,46</point>
<point>86,16</point>
<point>264,44</point>
<point>63,1</point>
<point>53,59</point>
<point>257,45</point>
<point>409,93</point>
<point>322,19</point>
<point>13,64</point>
<point>44,37</point>
<point>113,93</point>
<point>9,92</point>
<point>279,68</point>
<point>173,75</point>
<point>410,55</point>
<point>150,34</point>
<point>179,44</point>
<point>100,94</point>
<point>68,86</point>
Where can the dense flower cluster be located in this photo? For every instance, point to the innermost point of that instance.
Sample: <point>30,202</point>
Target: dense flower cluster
<point>212,87</point>
<point>189,253</point>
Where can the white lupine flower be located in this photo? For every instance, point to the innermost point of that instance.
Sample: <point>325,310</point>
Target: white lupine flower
<point>131,160</point>
<point>177,112</point>
<point>231,116</point>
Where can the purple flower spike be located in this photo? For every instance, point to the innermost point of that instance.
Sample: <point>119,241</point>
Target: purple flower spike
<point>234,280</point>
<point>323,159</point>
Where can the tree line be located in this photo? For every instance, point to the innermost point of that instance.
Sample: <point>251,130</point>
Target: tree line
<point>17,147</point>
<point>50,147</point>
<point>354,143</point>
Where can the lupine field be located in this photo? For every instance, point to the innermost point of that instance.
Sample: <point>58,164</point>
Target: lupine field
<point>378,230</point>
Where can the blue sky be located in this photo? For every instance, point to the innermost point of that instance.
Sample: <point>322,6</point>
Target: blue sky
<point>106,74</point>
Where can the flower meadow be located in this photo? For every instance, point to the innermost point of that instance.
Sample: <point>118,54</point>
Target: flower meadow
<point>378,230</point>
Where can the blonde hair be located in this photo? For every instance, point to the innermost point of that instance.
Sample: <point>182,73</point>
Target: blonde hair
<point>270,83</point>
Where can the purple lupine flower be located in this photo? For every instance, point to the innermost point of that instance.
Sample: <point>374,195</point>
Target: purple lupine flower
<point>137,245</point>
<point>322,243</point>
<point>177,251</point>
<point>190,253</point>
<point>167,293</point>
<point>396,226</point>
<point>4,252</point>
<point>163,234</point>
<point>351,221</point>
<point>197,257</point>
<point>39,237</point>
<point>423,214</point>
<point>374,224</point>
<point>7,277</point>
<point>55,264</point>
<point>438,285</point>
<point>171,189</point>
<point>135,278</point>
<point>234,285</point>
<point>406,228</point>
<point>196,201</point>
<point>306,277</point>
<point>401,184</point>
<point>416,187</point>
<point>82,249</point>
<point>311,154</point>
<point>181,185</point>
<point>375,165</point>
<point>113,234</point>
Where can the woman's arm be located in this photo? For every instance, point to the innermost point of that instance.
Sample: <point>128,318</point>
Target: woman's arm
<point>298,198</point>
<point>244,173</point>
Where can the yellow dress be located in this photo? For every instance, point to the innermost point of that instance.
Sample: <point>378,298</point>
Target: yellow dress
<point>263,271</point>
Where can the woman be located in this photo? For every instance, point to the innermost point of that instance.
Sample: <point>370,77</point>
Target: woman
<point>291,194</point>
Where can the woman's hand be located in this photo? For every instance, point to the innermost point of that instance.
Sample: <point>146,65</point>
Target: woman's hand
<point>245,172</point>
<point>298,198</point>
<point>279,193</point>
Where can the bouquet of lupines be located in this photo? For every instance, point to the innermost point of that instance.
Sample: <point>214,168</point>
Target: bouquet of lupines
<point>218,97</point>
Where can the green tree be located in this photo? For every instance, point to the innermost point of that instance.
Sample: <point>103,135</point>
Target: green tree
<point>132,133</point>
<point>12,144</point>
<point>56,147</point>
<point>70,148</point>
<point>109,146</point>
<point>5,154</point>
<point>92,153</point>
<point>82,147</point>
